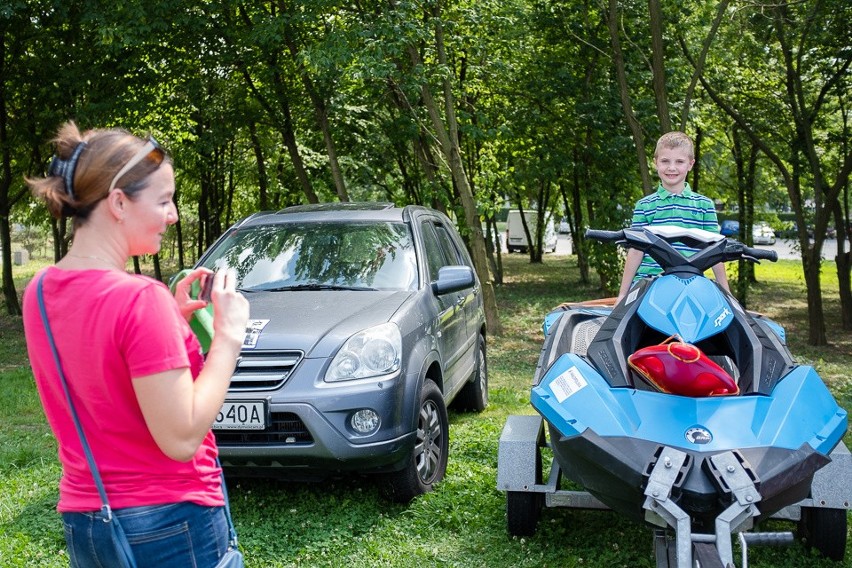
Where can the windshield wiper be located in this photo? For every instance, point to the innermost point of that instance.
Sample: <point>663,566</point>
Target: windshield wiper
<point>312,287</point>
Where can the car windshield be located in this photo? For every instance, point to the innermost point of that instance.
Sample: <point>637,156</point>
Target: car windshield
<point>319,256</point>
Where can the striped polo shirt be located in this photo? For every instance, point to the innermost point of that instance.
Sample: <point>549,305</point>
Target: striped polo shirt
<point>687,209</point>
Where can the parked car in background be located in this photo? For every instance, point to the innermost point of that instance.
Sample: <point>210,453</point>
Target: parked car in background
<point>762,234</point>
<point>516,238</point>
<point>730,228</point>
<point>367,320</point>
<point>564,227</point>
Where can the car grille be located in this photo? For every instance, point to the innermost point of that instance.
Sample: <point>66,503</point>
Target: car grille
<point>263,370</point>
<point>285,428</point>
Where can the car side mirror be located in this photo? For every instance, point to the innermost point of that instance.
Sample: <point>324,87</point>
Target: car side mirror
<point>453,279</point>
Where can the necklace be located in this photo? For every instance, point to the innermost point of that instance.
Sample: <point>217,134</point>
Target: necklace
<point>92,257</point>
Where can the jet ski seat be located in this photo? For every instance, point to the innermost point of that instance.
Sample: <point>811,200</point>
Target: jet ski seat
<point>680,368</point>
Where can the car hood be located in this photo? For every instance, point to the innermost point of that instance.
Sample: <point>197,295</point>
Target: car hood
<point>317,322</point>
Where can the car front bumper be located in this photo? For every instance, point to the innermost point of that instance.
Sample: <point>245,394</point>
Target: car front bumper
<point>308,426</point>
<point>324,447</point>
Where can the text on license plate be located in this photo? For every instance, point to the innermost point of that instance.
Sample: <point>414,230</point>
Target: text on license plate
<point>241,415</point>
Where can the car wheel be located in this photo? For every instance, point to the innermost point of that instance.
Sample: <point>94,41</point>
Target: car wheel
<point>428,461</point>
<point>474,395</point>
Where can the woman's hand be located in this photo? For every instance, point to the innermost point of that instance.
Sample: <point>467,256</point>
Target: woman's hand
<point>230,310</point>
<point>186,302</point>
<point>177,409</point>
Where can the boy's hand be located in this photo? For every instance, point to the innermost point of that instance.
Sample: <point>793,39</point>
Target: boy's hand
<point>631,265</point>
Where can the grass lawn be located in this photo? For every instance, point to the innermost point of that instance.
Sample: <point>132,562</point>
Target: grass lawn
<point>462,523</point>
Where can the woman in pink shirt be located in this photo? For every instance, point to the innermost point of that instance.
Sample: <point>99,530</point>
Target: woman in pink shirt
<point>145,396</point>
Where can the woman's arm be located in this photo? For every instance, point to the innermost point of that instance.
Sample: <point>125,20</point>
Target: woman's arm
<point>179,411</point>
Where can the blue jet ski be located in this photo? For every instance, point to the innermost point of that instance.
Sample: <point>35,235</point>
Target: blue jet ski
<point>679,408</point>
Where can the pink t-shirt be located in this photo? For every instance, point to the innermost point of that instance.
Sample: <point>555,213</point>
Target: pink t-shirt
<point>112,328</point>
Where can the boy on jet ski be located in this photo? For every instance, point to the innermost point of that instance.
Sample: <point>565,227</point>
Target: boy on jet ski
<point>674,203</point>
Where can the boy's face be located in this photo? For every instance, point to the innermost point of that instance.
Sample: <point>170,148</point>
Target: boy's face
<point>672,166</point>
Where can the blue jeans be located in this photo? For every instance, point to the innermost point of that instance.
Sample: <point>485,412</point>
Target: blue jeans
<point>178,535</point>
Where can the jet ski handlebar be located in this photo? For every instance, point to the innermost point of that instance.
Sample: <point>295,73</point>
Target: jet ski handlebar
<point>656,241</point>
<point>604,236</point>
<point>759,254</point>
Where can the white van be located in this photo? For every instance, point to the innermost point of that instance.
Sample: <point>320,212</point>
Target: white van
<point>516,239</point>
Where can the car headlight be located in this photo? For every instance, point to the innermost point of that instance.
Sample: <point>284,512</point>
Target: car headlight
<point>369,353</point>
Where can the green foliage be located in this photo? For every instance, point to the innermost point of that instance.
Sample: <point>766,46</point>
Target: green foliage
<point>265,105</point>
<point>609,264</point>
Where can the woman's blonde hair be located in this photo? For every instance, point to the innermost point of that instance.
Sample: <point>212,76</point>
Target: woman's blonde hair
<point>79,176</point>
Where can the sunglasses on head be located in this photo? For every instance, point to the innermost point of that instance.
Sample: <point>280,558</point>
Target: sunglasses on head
<point>150,147</point>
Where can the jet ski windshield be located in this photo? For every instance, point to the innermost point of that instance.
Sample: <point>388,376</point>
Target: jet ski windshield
<point>695,238</point>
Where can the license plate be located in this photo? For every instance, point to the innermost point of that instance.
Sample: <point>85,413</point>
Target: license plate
<point>241,415</point>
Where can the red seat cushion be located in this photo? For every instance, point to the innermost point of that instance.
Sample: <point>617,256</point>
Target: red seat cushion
<point>681,368</point>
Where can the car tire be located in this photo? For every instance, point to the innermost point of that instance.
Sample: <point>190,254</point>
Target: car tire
<point>428,461</point>
<point>474,394</point>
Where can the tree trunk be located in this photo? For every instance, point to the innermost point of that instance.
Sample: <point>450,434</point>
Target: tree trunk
<point>262,176</point>
<point>13,307</point>
<point>843,262</point>
<point>699,64</point>
<point>181,260</point>
<point>696,169</point>
<point>492,248</point>
<point>842,224</point>
<point>749,187</point>
<point>289,136</point>
<point>54,232</point>
<point>448,139</point>
<point>658,65</point>
<point>626,105</point>
<point>158,273</point>
<point>532,240</point>
<point>844,266</point>
<point>320,108</point>
<point>203,214</point>
<point>321,113</point>
<point>574,214</point>
<point>541,215</point>
<point>578,234</point>
<point>420,145</point>
<point>230,189</point>
<point>741,286</point>
<point>811,264</point>
<point>280,114</point>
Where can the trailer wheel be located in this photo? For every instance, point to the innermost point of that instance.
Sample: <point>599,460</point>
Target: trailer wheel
<point>523,510</point>
<point>824,530</point>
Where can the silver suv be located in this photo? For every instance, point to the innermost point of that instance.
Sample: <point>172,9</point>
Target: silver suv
<point>366,321</point>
